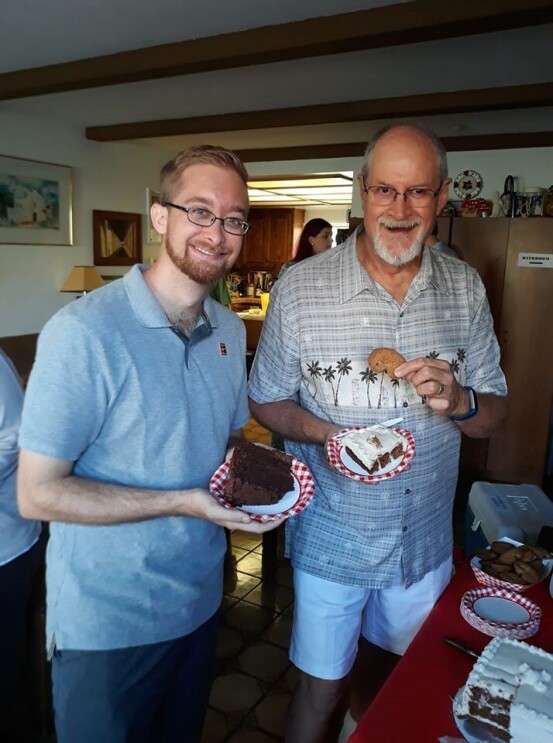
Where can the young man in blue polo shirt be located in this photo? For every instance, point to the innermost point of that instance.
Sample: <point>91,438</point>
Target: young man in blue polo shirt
<point>136,394</point>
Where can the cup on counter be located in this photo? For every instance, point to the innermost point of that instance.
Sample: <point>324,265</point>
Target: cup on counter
<point>264,301</point>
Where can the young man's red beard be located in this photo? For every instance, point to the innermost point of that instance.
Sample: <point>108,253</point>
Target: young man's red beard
<point>202,272</point>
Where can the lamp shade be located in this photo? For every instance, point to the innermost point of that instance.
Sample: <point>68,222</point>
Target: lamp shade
<point>82,279</point>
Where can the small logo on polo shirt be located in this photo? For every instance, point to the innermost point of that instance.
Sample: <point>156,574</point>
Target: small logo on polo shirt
<point>223,349</point>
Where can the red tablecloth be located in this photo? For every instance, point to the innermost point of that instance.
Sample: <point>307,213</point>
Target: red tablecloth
<point>415,704</point>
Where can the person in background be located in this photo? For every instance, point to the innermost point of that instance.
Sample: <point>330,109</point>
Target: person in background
<point>434,242</point>
<point>137,393</point>
<point>315,238</point>
<point>20,555</point>
<point>370,560</point>
<point>219,291</point>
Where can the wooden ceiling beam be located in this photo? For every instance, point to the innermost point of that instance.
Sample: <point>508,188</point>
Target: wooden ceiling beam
<point>356,149</point>
<point>430,104</point>
<point>392,25</point>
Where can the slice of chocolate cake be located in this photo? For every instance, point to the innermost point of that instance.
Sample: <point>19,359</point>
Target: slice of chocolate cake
<point>257,476</point>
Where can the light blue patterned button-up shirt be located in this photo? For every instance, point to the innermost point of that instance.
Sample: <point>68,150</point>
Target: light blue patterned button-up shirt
<point>325,316</point>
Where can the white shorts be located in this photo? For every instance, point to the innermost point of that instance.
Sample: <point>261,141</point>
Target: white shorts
<point>329,617</point>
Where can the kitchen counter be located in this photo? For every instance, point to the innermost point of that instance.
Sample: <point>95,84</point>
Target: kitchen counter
<point>253,320</point>
<point>251,315</point>
<point>241,304</point>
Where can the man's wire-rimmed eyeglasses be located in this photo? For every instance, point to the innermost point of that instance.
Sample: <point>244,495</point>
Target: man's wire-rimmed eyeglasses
<point>204,218</point>
<point>386,195</point>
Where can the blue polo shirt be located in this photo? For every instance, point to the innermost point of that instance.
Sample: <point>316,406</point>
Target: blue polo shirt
<point>115,390</point>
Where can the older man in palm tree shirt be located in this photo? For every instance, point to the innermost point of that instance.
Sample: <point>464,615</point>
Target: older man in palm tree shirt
<point>371,560</point>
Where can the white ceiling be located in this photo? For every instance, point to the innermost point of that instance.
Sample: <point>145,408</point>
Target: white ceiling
<point>34,34</point>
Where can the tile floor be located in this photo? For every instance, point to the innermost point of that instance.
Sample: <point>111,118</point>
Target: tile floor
<point>254,678</point>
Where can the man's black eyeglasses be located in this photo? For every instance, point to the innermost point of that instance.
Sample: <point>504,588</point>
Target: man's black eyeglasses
<point>204,218</point>
<point>385,195</point>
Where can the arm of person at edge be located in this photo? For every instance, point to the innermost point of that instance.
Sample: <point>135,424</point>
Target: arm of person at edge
<point>46,490</point>
<point>433,376</point>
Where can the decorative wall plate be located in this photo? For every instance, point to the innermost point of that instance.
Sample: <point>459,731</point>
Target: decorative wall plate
<point>467,184</point>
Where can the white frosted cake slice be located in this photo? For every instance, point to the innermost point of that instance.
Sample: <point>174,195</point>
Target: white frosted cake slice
<point>374,447</point>
<point>509,692</point>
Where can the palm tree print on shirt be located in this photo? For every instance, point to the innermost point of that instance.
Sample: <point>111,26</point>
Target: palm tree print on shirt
<point>381,391</point>
<point>343,367</point>
<point>395,385</point>
<point>315,372</point>
<point>329,375</point>
<point>369,377</point>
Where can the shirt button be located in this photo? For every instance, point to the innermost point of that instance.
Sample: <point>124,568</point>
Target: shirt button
<point>405,404</point>
<point>404,528</point>
<point>401,314</point>
<point>408,491</point>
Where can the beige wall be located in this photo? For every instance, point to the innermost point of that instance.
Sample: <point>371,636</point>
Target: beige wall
<point>114,176</point>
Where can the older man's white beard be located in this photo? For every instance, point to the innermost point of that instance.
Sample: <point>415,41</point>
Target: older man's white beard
<point>386,250</point>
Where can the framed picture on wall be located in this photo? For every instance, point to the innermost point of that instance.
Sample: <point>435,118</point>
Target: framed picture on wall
<point>35,202</point>
<point>117,238</point>
<point>152,236</point>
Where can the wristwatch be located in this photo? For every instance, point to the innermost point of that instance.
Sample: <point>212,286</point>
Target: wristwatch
<point>473,407</point>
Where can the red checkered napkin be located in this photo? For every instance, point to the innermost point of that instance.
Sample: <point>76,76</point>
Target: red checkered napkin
<point>516,631</point>
<point>300,472</point>
<point>335,448</point>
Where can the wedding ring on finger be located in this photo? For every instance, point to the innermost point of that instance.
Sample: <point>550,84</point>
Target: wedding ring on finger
<point>440,390</point>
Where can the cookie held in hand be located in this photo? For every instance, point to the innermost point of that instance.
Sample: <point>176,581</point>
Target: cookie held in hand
<point>385,360</point>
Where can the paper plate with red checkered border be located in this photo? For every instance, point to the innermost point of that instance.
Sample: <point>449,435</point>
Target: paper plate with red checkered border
<point>501,613</point>
<point>290,504</point>
<point>341,461</point>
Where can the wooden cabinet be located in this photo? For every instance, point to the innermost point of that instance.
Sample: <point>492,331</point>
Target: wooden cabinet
<point>269,242</point>
<point>482,243</point>
<point>518,454</point>
<point>521,302</point>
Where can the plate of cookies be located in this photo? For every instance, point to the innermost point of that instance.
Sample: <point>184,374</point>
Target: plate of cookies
<point>511,565</point>
<point>371,453</point>
<point>265,482</point>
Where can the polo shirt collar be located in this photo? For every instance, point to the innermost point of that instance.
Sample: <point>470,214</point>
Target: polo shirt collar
<point>148,310</point>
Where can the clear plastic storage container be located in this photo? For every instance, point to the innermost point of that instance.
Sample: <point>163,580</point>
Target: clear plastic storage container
<point>497,510</point>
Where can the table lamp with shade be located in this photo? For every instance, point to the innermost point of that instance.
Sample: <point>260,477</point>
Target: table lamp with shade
<point>82,279</point>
